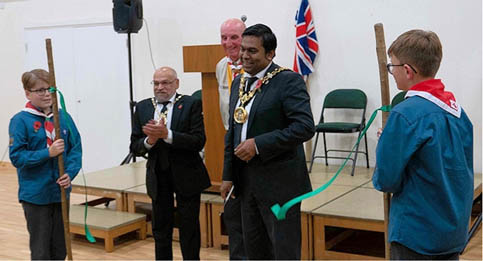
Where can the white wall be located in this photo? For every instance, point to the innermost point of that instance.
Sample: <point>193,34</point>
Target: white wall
<point>347,57</point>
<point>11,65</point>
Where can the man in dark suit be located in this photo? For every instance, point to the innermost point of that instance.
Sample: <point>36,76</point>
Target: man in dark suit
<point>227,69</point>
<point>270,118</point>
<point>169,127</point>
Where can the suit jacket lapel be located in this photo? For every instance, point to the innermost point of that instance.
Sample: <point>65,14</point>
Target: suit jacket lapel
<point>258,97</point>
<point>234,96</point>
<point>149,112</point>
<point>177,108</point>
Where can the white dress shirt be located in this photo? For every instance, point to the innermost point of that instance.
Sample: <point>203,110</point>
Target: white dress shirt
<point>156,116</point>
<point>259,75</point>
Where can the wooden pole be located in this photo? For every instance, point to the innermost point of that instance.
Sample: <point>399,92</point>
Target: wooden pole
<point>55,110</point>
<point>308,144</point>
<point>382,60</point>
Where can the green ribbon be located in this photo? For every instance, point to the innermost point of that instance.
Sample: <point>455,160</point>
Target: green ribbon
<point>280,212</point>
<point>52,89</point>
<point>64,109</point>
<point>89,236</point>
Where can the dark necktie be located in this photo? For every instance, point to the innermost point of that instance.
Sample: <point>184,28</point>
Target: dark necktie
<point>165,106</point>
<point>163,153</point>
<point>251,80</point>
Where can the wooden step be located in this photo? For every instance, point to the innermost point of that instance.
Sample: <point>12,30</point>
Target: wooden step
<point>106,223</point>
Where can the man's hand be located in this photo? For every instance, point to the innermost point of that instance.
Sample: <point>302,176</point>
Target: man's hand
<point>225,188</point>
<point>155,131</point>
<point>64,181</point>
<point>246,150</point>
<point>56,148</point>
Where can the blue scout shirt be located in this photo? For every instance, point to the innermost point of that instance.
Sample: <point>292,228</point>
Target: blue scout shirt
<point>425,157</point>
<point>37,172</point>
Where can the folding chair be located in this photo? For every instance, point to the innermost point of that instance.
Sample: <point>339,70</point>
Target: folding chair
<point>336,100</point>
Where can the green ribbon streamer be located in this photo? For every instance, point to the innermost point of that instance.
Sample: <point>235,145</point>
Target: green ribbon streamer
<point>52,89</point>
<point>64,109</point>
<point>280,212</point>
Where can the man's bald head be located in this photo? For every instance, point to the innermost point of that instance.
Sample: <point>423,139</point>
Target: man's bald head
<point>165,83</point>
<point>235,23</point>
<point>231,31</point>
<point>167,70</point>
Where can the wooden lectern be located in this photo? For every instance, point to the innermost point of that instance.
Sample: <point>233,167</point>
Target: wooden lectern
<point>203,58</point>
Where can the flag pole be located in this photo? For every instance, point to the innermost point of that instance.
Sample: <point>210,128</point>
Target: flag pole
<point>308,144</point>
<point>55,110</point>
<point>383,76</point>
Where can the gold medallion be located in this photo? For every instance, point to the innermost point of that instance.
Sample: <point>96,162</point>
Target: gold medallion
<point>240,115</point>
<point>163,117</point>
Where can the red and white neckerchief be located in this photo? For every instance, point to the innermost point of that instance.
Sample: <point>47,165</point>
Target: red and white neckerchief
<point>48,123</point>
<point>433,90</point>
<point>233,69</point>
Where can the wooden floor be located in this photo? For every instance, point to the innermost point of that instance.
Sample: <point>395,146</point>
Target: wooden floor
<point>14,235</point>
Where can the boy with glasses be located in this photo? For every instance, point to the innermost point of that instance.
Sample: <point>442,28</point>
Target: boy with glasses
<point>425,156</point>
<point>33,151</point>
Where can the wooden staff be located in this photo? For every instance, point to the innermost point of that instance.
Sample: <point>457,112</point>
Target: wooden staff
<point>55,109</point>
<point>382,60</point>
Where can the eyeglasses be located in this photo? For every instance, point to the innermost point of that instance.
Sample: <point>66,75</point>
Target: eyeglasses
<point>390,66</point>
<point>40,91</point>
<point>163,83</point>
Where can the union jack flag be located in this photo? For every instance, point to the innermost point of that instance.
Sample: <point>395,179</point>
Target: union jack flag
<point>306,45</point>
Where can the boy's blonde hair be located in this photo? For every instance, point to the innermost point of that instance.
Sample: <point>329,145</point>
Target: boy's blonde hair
<point>30,78</point>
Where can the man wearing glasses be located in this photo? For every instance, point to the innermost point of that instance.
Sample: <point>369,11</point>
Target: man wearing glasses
<point>169,128</point>
<point>425,156</point>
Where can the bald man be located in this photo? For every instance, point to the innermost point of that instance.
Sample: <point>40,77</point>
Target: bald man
<point>226,70</point>
<point>229,66</point>
<point>169,128</point>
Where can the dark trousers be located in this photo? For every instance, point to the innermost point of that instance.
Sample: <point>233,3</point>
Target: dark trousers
<point>46,230</point>
<point>401,252</point>
<point>233,223</point>
<point>264,236</point>
<point>188,211</point>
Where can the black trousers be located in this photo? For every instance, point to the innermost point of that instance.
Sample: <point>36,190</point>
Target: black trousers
<point>46,230</point>
<point>401,252</point>
<point>188,211</point>
<point>264,236</point>
<point>233,223</point>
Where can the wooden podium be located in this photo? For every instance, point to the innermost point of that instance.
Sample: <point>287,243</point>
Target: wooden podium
<point>203,58</point>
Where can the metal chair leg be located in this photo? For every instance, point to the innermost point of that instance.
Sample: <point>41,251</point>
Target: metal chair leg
<point>325,149</point>
<point>355,156</point>
<point>313,152</point>
<point>367,151</point>
<point>472,232</point>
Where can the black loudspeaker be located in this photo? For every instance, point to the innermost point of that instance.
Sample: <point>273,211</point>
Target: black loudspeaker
<point>127,15</point>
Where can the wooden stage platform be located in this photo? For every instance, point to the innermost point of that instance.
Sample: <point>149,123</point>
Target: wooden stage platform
<point>336,224</point>
<point>344,222</point>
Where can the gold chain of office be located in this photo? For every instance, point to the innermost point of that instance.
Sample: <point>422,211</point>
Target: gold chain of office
<point>240,114</point>
<point>164,115</point>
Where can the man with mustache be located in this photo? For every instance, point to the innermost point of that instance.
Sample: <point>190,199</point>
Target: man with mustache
<point>169,128</point>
